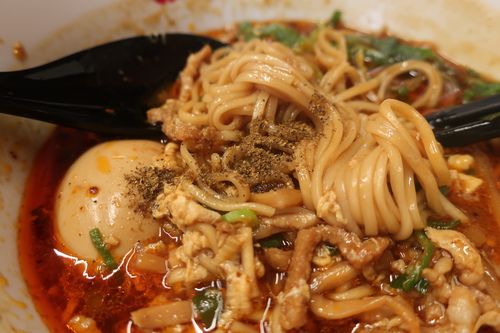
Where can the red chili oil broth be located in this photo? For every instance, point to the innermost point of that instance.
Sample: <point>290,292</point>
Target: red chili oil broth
<point>61,289</point>
<point>60,285</point>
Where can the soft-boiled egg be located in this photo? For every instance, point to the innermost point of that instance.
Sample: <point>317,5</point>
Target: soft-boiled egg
<point>95,193</point>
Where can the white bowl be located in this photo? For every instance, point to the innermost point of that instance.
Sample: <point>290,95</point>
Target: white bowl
<point>464,31</point>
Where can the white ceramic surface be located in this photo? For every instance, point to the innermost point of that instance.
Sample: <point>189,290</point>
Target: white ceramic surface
<point>465,31</point>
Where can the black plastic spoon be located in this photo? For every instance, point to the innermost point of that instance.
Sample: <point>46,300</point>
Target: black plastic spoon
<point>106,89</point>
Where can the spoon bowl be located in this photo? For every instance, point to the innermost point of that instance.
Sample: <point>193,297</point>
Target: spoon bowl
<point>105,89</point>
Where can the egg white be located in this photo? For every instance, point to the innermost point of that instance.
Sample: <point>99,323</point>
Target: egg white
<point>94,193</point>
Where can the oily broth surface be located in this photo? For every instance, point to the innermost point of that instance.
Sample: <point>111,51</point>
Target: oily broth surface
<point>59,283</point>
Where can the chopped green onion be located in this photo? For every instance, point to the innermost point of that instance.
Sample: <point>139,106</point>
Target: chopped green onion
<point>428,249</point>
<point>402,282</point>
<point>208,303</point>
<point>246,31</point>
<point>398,282</point>
<point>245,216</point>
<point>390,50</point>
<point>280,33</point>
<point>332,249</point>
<point>422,286</point>
<point>402,92</point>
<point>336,17</point>
<point>413,273</point>
<point>480,88</point>
<point>410,279</point>
<point>95,236</point>
<point>277,240</point>
<point>443,225</point>
<point>444,190</point>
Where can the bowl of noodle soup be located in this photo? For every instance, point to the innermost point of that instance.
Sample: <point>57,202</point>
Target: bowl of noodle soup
<point>299,188</point>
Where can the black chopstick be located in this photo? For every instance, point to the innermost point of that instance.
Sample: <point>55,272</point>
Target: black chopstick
<point>464,135</point>
<point>471,122</point>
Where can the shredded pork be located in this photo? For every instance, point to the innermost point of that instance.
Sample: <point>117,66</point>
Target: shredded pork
<point>296,295</point>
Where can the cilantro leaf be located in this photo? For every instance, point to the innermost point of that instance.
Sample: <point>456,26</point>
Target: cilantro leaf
<point>389,50</point>
<point>336,18</point>
<point>280,33</point>
<point>246,31</point>
<point>480,88</point>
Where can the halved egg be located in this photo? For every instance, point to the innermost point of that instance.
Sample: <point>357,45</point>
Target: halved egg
<point>96,194</point>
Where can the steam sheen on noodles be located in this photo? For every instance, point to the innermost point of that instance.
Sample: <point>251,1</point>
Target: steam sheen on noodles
<point>320,154</point>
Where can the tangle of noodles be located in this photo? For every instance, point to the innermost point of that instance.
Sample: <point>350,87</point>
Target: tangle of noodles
<point>278,125</point>
<point>313,145</point>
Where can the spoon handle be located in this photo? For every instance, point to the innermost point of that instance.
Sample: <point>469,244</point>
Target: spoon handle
<point>86,119</point>
<point>105,89</point>
<point>112,75</point>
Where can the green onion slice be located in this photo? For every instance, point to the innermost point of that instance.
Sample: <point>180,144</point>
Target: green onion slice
<point>277,240</point>
<point>443,225</point>
<point>422,286</point>
<point>336,18</point>
<point>412,279</point>
<point>444,190</point>
<point>334,251</point>
<point>208,303</point>
<point>95,236</point>
<point>245,216</point>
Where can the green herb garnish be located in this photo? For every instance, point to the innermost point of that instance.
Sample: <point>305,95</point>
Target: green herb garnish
<point>278,32</point>
<point>443,225</point>
<point>209,303</point>
<point>479,88</point>
<point>387,51</point>
<point>277,240</point>
<point>332,249</point>
<point>245,30</point>
<point>413,274</point>
<point>336,18</point>
<point>444,190</point>
<point>422,286</point>
<point>245,216</point>
<point>95,236</point>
